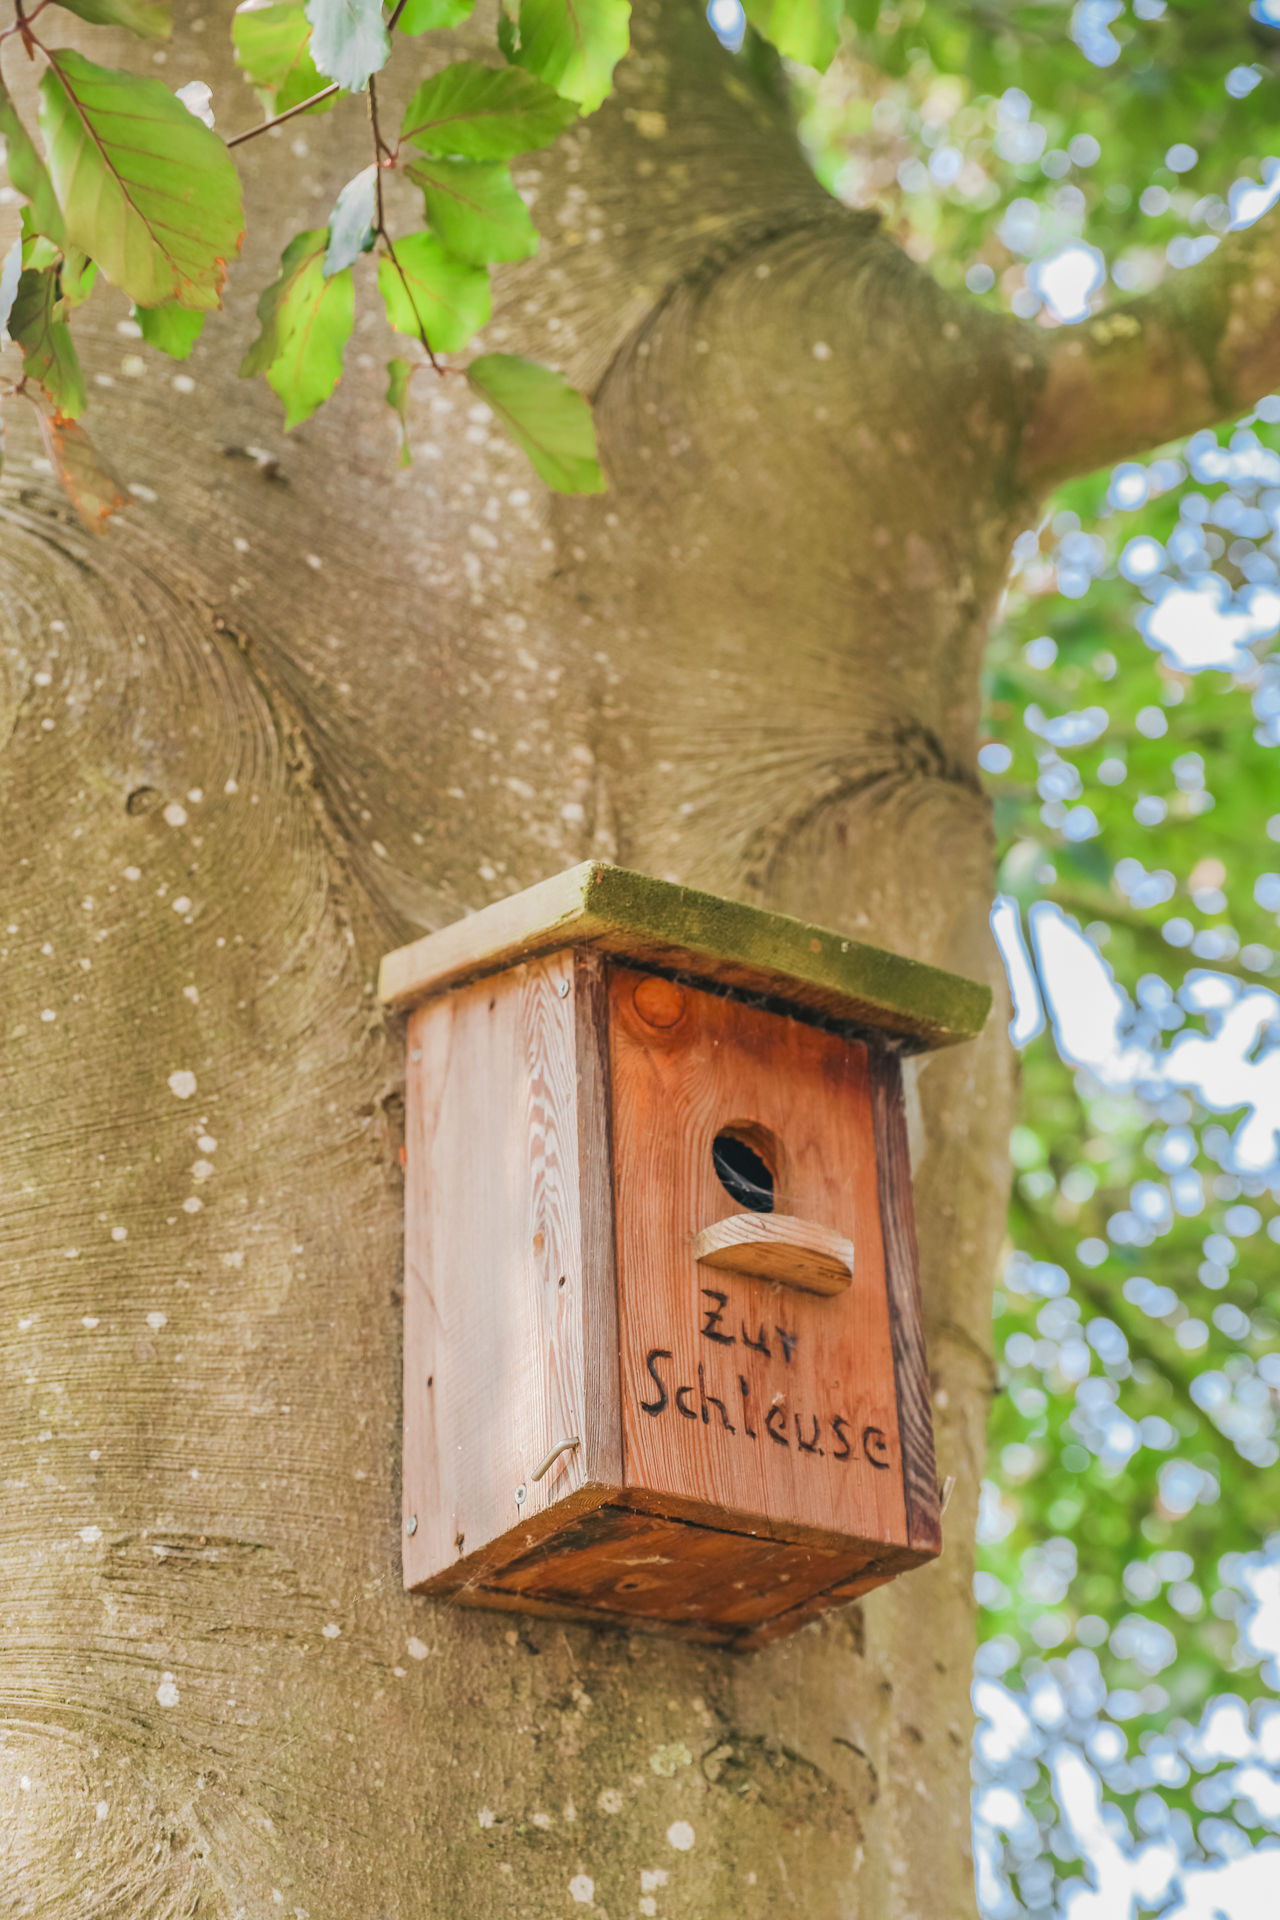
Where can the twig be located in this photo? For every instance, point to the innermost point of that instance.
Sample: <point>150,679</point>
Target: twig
<point>22,25</point>
<point>279,119</point>
<point>387,241</point>
<point>380,148</point>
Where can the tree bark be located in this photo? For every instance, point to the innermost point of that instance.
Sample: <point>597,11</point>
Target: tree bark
<point>297,707</point>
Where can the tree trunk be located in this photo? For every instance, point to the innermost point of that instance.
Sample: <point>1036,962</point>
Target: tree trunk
<point>297,707</point>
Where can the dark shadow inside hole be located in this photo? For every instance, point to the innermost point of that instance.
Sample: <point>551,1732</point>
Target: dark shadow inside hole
<point>742,1173</point>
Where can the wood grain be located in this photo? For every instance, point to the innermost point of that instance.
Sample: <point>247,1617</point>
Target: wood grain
<point>495,1365</point>
<point>616,1561</point>
<point>741,1466</point>
<point>742,1426</point>
<point>658,924</point>
<point>902,1277</point>
<point>777,1246</point>
<point>602,1382</point>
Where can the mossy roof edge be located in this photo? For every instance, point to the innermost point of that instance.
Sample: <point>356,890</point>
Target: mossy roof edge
<point>680,929</point>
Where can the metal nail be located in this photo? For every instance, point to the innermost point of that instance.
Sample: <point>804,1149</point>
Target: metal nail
<point>411,1524</point>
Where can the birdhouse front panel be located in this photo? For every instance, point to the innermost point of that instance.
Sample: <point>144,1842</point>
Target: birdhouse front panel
<point>767,1395</point>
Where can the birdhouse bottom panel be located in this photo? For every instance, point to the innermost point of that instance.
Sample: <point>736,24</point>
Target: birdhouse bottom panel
<point>724,1588</point>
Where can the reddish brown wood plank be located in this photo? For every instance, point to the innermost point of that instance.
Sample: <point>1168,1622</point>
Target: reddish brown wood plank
<point>752,1398</point>
<point>615,1561</point>
<point>902,1275</point>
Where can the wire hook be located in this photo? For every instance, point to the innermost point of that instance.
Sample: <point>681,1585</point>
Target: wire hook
<point>561,1446</point>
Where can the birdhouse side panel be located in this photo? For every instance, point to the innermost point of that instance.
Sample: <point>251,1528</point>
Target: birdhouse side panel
<point>906,1318</point>
<point>493,1360</point>
<point>746,1395</point>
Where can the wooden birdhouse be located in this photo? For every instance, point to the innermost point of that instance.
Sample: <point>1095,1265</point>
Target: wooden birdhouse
<point>663,1358</point>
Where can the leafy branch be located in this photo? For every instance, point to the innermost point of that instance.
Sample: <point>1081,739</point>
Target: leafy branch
<point>129,181</point>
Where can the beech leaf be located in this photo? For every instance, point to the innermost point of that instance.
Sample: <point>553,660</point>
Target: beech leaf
<point>428,16</point>
<point>351,222</point>
<point>76,276</point>
<point>144,187</point>
<point>273,47</point>
<point>87,480</point>
<point>29,174</point>
<point>474,209</point>
<point>545,416</point>
<point>37,323</point>
<point>306,323</point>
<point>349,40</point>
<point>399,374</point>
<point>149,19</point>
<point>173,330</point>
<point>805,30</point>
<point>574,45</point>
<point>484,113</point>
<point>37,251</point>
<point>431,296</point>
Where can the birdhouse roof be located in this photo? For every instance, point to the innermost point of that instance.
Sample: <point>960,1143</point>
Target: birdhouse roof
<point>704,939</point>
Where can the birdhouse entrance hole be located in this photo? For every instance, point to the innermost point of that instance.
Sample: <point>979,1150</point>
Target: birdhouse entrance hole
<point>742,1168</point>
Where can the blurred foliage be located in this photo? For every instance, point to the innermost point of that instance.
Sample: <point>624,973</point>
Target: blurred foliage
<point>985,134</point>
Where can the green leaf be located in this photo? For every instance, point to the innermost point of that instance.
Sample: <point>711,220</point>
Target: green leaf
<point>399,374</point>
<point>149,19</point>
<point>805,30</point>
<point>351,222</point>
<point>76,276</point>
<point>349,40</point>
<point>574,45</point>
<point>29,173</point>
<point>144,186</point>
<point>10,274</point>
<point>306,323</point>
<point>431,296</point>
<point>173,330</point>
<point>484,113</point>
<point>37,251</point>
<point>543,414</point>
<point>475,210</point>
<point>508,38</point>
<point>428,16</point>
<point>87,480</point>
<point>38,325</point>
<point>273,47</point>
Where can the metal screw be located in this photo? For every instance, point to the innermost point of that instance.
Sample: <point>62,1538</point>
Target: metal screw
<point>411,1524</point>
<point>563,989</point>
<point>416,1054</point>
<point>522,1494</point>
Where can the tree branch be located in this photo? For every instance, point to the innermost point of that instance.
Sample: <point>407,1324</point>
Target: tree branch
<point>1202,346</point>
